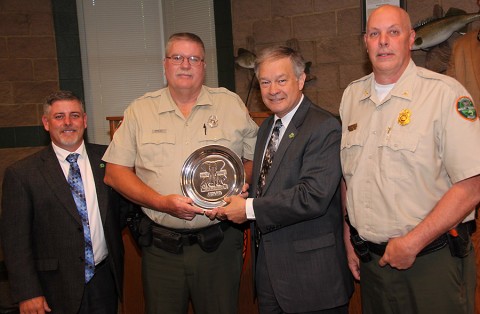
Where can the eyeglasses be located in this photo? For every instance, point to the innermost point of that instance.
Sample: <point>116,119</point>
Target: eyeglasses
<point>178,59</point>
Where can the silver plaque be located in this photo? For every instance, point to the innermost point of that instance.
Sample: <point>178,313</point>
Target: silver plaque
<point>211,173</point>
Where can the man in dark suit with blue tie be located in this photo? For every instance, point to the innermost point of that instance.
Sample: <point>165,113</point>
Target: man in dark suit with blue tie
<point>60,224</point>
<point>301,265</point>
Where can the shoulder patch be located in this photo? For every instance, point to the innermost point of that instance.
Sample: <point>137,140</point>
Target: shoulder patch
<point>466,109</point>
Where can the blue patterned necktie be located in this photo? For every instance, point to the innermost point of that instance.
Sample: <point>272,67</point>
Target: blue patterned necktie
<point>78,192</point>
<point>269,154</point>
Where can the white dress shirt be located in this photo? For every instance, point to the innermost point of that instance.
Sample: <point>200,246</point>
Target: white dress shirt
<point>100,251</point>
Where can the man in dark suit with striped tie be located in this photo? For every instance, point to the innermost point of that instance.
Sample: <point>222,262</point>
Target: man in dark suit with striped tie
<point>60,224</point>
<point>301,266</point>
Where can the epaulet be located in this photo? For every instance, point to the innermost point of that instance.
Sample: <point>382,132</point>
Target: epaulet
<point>153,94</point>
<point>220,90</point>
<point>217,90</point>
<point>431,75</point>
<point>362,79</point>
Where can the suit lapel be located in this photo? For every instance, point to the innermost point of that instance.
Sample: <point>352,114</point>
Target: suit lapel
<point>287,139</point>
<point>98,170</point>
<point>53,174</point>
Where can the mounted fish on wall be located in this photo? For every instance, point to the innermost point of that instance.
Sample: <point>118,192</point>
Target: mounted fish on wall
<point>432,32</point>
<point>437,34</point>
<point>245,58</point>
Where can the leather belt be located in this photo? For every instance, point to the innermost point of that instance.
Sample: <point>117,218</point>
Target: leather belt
<point>190,236</point>
<point>435,245</point>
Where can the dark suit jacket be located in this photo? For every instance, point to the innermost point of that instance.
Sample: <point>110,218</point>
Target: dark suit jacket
<point>299,213</point>
<point>42,233</point>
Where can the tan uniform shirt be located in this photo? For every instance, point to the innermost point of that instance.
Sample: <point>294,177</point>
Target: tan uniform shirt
<point>156,139</point>
<point>401,155</point>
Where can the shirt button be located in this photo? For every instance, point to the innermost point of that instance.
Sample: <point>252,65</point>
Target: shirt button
<point>187,143</point>
<point>374,132</point>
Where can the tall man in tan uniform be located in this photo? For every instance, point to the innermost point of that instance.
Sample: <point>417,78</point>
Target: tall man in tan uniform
<point>410,160</point>
<point>159,132</point>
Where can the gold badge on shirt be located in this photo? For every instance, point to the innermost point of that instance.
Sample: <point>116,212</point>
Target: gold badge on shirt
<point>404,117</point>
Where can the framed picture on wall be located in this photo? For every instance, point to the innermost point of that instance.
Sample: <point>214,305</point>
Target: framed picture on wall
<point>367,6</point>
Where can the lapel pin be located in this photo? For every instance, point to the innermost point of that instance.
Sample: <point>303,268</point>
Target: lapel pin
<point>291,135</point>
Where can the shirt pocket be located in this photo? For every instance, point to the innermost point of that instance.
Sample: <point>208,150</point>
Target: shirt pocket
<point>397,154</point>
<point>351,147</point>
<point>214,136</point>
<point>157,149</point>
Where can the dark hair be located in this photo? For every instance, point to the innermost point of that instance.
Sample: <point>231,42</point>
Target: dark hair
<point>59,95</point>
<point>279,52</point>
<point>184,36</point>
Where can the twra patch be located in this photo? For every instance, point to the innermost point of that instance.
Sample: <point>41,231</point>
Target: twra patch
<point>466,109</point>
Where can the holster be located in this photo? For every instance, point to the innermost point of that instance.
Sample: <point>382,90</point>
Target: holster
<point>459,240</point>
<point>209,239</point>
<point>139,226</point>
<point>167,240</point>
<point>359,245</point>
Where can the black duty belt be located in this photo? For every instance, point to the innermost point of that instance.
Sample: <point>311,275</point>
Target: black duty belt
<point>435,245</point>
<point>173,240</point>
<point>190,236</point>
